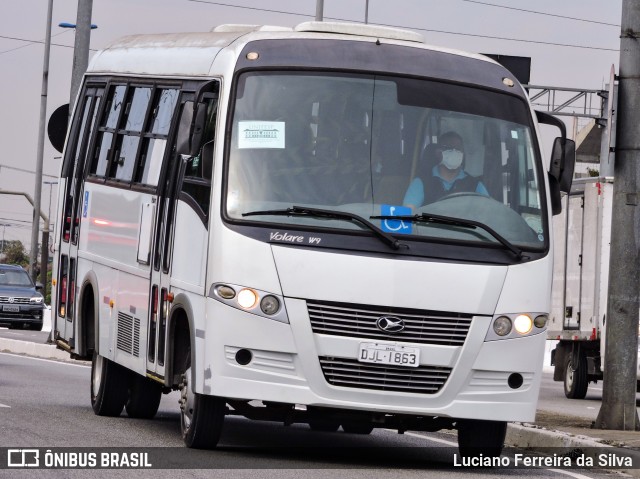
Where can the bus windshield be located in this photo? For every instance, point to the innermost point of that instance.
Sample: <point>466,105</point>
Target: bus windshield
<point>379,146</point>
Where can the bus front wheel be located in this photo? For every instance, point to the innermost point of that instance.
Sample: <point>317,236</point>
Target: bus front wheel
<point>481,437</point>
<point>108,386</point>
<point>201,416</point>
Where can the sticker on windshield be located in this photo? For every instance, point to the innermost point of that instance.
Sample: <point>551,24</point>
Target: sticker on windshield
<point>261,134</point>
<point>395,226</point>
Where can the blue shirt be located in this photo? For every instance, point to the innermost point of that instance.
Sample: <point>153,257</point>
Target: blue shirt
<point>415,192</point>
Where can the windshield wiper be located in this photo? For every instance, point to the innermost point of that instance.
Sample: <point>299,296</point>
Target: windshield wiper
<point>449,220</point>
<point>330,214</point>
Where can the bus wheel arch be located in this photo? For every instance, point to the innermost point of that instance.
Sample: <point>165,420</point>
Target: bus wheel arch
<point>181,337</point>
<point>88,323</point>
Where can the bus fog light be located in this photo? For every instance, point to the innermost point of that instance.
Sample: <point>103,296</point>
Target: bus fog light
<point>502,326</point>
<point>541,321</point>
<point>226,292</point>
<point>247,298</point>
<point>523,324</point>
<point>269,305</point>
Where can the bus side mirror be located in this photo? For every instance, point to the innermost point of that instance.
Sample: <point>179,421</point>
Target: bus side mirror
<point>183,140</point>
<point>554,194</point>
<point>197,130</point>
<point>57,127</point>
<point>563,160</point>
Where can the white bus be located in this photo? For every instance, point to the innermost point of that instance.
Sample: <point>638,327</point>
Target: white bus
<point>249,216</point>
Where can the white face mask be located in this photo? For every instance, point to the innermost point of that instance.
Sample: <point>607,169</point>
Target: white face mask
<point>452,159</point>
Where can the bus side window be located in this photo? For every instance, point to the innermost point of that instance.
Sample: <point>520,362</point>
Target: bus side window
<point>196,183</point>
<point>74,165</point>
<point>155,137</point>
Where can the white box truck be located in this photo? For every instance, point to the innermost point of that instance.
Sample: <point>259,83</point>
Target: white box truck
<point>580,285</point>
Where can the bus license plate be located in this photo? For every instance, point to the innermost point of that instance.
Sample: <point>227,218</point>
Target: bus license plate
<point>10,308</point>
<point>389,354</point>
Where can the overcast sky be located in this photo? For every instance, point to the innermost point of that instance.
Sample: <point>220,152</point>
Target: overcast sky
<point>469,25</point>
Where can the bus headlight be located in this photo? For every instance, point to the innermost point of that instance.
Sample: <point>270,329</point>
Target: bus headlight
<point>250,300</point>
<point>541,321</point>
<point>247,298</point>
<point>523,324</point>
<point>516,325</point>
<point>502,326</point>
<point>270,305</point>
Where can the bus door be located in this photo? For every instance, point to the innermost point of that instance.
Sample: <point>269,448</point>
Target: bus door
<point>73,210</point>
<point>159,297</point>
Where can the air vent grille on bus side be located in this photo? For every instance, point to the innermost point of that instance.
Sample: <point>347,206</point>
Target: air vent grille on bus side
<point>128,334</point>
<point>361,321</point>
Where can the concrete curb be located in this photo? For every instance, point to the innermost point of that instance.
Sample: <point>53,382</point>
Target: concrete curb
<point>535,437</point>
<point>45,351</point>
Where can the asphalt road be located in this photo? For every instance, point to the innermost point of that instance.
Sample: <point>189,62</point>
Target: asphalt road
<point>46,404</point>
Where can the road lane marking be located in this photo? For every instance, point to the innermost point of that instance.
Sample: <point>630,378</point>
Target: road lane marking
<point>48,360</point>
<point>570,473</point>
<point>4,405</point>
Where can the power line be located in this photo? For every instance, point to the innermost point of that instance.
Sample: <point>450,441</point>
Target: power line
<point>567,45</point>
<point>543,13</point>
<point>31,42</point>
<point>23,170</point>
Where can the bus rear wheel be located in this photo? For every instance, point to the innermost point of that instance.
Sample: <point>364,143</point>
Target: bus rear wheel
<point>108,386</point>
<point>144,397</point>
<point>481,437</point>
<point>201,416</point>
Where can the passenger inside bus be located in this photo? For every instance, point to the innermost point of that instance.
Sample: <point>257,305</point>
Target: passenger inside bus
<point>441,172</point>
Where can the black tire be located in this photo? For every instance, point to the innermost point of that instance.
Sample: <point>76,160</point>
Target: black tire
<point>575,378</point>
<point>16,326</point>
<point>144,397</point>
<point>201,416</point>
<point>35,326</point>
<point>108,386</point>
<point>357,428</point>
<point>477,437</point>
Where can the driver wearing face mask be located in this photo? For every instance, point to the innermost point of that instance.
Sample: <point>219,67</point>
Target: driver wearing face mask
<point>444,178</point>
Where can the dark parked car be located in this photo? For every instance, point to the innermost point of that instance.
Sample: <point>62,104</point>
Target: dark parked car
<point>21,303</point>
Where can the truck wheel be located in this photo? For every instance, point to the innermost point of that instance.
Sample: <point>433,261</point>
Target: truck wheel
<point>201,416</point>
<point>108,386</point>
<point>575,377</point>
<point>144,397</point>
<point>481,437</point>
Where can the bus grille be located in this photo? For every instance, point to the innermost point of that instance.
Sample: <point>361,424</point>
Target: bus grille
<point>352,374</point>
<point>360,321</point>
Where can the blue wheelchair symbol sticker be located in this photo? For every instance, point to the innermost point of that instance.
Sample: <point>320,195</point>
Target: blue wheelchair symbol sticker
<point>396,226</point>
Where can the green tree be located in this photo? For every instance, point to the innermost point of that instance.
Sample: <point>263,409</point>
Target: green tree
<point>14,253</point>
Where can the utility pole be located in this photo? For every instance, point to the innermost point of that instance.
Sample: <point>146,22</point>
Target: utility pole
<point>81,48</point>
<point>33,257</point>
<point>618,410</point>
<point>319,10</point>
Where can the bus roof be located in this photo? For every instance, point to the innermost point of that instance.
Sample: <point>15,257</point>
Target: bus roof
<point>192,54</point>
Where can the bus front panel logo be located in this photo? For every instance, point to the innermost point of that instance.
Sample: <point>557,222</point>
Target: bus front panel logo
<point>390,324</point>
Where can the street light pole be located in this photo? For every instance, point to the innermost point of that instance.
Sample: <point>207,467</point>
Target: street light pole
<point>33,257</point>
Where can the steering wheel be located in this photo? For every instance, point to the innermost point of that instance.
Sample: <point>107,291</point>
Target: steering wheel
<point>461,194</point>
